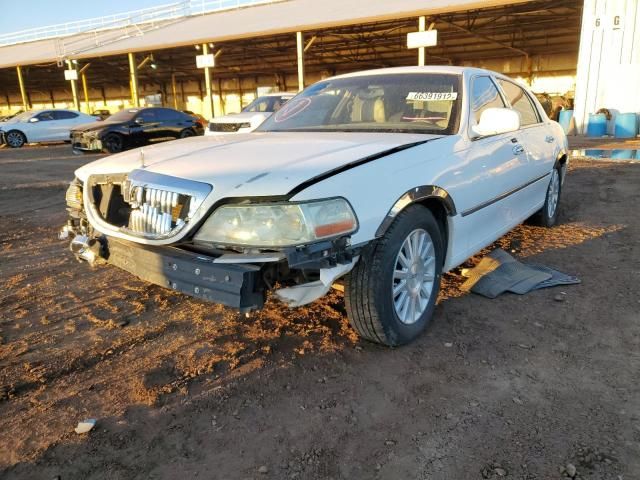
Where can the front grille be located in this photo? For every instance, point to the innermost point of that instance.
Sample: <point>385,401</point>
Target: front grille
<point>155,211</point>
<point>227,127</point>
<point>143,204</point>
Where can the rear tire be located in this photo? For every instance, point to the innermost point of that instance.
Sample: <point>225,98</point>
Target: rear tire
<point>187,133</point>
<point>548,214</point>
<point>374,289</point>
<point>113,143</point>
<point>15,138</point>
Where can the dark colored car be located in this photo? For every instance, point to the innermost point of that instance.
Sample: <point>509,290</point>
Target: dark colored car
<point>199,118</point>
<point>134,127</point>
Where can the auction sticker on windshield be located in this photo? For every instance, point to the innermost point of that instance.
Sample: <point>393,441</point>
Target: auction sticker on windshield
<point>451,96</point>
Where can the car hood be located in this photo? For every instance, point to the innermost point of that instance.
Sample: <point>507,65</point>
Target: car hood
<point>255,164</point>
<point>97,125</point>
<point>240,117</point>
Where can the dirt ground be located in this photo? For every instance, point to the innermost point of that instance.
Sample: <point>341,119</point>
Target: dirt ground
<point>523,387</point>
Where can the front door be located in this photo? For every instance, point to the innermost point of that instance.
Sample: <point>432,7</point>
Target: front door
<point>492,170</point>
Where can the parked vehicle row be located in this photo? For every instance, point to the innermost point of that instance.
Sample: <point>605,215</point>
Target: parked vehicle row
<point>129,128</point>
<point>88,133</point>
<point>385,178</point>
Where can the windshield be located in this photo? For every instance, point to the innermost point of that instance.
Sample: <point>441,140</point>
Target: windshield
<point>404,103</point>
<point>271,103</point>
<point>123,115</point>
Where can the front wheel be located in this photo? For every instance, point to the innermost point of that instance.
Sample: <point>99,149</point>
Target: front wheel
<point>548,214</point>
<point>113,143</point>
<point>391,293</point>
<point>15,138</point>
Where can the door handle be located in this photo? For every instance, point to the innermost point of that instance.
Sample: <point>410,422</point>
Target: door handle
<point>518,149</point>
<point>549,139</point>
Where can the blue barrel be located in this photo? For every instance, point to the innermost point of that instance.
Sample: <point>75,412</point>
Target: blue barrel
<point>564,119</point>
<point>597,126</point>
<point>623,154</point>
<point>626,125</point>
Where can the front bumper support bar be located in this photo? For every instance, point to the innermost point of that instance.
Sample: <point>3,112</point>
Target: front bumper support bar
<point>234,285</point>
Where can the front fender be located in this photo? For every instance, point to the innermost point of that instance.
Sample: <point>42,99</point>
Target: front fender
<point>417,194</point>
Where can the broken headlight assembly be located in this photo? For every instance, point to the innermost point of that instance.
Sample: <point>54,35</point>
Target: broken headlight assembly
<point>269,225</point>
<point>73,196</point>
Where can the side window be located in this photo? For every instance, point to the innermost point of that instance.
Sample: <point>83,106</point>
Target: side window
<point>45,116</point>
<point>167,115</point>
<point>64,115</point>
<point>520,102</point>
<point>260,106</point>
<point>148,115</point>
<point>484,94</point>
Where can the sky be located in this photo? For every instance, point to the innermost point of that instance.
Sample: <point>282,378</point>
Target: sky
<point>20,15</point>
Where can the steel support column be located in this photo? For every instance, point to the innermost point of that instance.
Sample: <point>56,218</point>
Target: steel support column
<point>74,87</point>
<point>207,82</point>
<point>23,91</point>
<point>174,91</point>
<point>300,51</point>
<point>133,81</point>
<point>422,24</point>
<point>85,88</point>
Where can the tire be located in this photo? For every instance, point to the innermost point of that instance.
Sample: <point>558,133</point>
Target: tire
<point>373,307</point>
<point>547,216</point>
<point>113,143</point>
<point>187,133</point>
<point>15,138</point>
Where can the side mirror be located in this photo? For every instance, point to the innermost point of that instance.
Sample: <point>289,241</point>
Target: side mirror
<point>139,120</point>
<point>495,121</point>
<point>34,120</point>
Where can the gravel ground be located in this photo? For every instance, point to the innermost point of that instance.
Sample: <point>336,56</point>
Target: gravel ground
<point>542,386</point>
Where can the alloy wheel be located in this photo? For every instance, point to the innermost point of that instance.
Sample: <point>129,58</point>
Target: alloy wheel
<point>414,276</point>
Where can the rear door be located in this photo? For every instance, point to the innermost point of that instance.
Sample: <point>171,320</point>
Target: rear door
<point>536,137</point>
<point>63,122</point>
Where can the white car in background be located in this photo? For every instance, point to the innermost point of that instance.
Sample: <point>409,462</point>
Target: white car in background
<point>250,117</point>
<point>387,178</point>
<point>34,126</point>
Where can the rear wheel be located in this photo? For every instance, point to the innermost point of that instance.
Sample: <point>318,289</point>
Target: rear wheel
<point>187,133</point>
<point>548,214</point>
<point>391,293</point>
<point>15,138</point>
<point>113,143</point>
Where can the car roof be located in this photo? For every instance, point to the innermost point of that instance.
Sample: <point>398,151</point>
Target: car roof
<point>426,69</point>
<point>278,94</point>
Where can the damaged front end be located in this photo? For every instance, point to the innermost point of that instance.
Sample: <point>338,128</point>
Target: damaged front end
<point>140,223</point>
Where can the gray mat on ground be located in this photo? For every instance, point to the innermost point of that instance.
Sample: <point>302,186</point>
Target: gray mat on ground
<point>499,272</point>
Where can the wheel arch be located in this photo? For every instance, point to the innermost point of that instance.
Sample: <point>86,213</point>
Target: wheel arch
<point>434,198</point>
<point>26,139</point>
<point>562,162</point>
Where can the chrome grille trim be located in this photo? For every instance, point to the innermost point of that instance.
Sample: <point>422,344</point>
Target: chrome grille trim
<point>161,205</point>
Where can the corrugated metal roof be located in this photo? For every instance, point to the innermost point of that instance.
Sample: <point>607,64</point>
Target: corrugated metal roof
<point>249,22</point>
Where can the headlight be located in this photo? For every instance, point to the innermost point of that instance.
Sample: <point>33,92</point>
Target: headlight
<point>278,225</point>
<point>74,195</point>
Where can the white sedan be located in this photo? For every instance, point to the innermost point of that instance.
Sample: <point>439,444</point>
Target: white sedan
<point>250,117</point>
<point>387,178</point>
<point>36,126</point>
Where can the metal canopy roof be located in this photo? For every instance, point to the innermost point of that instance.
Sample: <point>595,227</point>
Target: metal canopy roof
<point>538,27</point>
<point>249,22</point>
